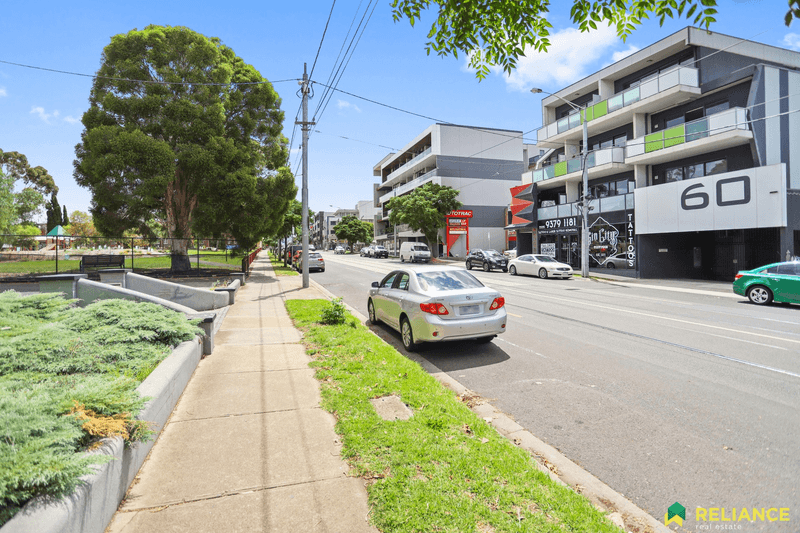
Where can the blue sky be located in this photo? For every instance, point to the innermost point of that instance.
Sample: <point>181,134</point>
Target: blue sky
<point>40,111</point>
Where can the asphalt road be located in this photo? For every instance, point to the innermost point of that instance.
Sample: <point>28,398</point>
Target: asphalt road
<point>665,396</point>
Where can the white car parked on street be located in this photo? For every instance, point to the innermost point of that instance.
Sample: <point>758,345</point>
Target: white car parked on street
<point>431,304</point>
<point>543,266</point>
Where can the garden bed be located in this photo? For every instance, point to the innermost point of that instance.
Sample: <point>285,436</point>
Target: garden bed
<point>73,380</point>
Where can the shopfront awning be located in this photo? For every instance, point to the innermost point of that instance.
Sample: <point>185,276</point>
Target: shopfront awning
<point>521,227</point>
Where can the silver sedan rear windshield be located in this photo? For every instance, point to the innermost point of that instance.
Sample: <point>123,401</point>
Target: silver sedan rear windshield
<point>447,281</point>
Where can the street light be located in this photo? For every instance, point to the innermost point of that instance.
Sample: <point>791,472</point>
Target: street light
<point>584,204</point>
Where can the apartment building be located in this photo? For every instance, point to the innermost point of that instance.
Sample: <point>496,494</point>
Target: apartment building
<point>693,163</point>
<point>481,163</point>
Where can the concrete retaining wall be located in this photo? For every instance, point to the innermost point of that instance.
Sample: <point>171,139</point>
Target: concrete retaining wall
<point>92,506</point>
<point>230,290</point>
<point>197,299</point>
<point>89,291</point>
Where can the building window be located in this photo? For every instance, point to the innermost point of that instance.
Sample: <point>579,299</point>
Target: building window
<point>696,170</point>
<point>621,140</point>
<point>673,174</point>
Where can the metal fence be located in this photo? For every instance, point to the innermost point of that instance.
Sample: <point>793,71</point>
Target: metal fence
<point>25,255</point>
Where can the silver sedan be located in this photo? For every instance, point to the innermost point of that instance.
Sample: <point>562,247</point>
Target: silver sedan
<point>543,266</point>
<point>431,304</point>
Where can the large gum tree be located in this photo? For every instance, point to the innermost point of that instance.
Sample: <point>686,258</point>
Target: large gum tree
<point>181,129</point>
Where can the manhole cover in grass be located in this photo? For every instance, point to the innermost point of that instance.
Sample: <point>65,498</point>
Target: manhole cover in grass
<point>391,408</point>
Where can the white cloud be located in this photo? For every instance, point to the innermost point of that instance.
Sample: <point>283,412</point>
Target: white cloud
<point>622,54</point>
<point>3,91</point>
<point>572,55</point>
<point>71,119</point>
<point>42,115</point>
<point>342,104</point>
<point>792,40</point>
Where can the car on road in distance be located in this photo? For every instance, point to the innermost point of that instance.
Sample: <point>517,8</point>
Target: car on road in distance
<point>511,254</point>
<point>486,259</point>
<point>315,262</point>
<point>379,251</point>
<point>540,265</point>
<point>338,250</point>
<point>777,282</point>
<point>364,251</point>
<point>415,251</point>
<point>433,304</point>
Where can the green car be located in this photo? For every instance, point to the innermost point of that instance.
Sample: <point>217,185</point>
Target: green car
<point>778,282</point>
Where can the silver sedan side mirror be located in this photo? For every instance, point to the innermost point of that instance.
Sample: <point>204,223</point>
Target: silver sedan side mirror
<point>376,284</point>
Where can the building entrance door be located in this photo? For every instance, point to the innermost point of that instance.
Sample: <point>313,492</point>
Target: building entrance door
<point>569,252</point>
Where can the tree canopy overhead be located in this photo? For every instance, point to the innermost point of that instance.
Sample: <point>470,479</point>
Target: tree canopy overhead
<point>497,32</point>
<point>424,210</point>
<point>17,167</point>
<point>194,139</point>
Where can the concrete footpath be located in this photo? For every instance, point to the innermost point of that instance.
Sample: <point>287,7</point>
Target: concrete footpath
<point>248,447</point>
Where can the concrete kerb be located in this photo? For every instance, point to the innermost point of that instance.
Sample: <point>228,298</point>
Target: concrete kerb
<point>561,469</point>
<point>93,504</point>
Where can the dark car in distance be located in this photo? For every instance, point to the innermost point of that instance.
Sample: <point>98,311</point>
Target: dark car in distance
<point>777,282</point>
<point>486,259</point>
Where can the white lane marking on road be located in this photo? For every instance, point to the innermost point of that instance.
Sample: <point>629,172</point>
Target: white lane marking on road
<point>501,339</point>
<point>748,342</point>
<point>690,322</point>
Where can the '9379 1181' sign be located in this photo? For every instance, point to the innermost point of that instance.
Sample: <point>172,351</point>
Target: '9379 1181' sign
<point>556,226</point>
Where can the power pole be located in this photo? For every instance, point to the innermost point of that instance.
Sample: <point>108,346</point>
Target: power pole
<point>305,125</point>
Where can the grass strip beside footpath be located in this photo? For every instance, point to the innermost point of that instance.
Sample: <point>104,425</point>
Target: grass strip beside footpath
<point>444,469</point>
<point>279,268</point>
<point>68,378</point>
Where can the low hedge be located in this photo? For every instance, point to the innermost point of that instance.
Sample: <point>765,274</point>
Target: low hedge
<point>68,378</point>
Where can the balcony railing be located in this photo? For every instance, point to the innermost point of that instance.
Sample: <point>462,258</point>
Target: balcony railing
<point>598,205</point>
<point>731,119</point>
<point>407,164</point>
<point>647,88</point>
<point>413,184</point>
<point>594,158</point>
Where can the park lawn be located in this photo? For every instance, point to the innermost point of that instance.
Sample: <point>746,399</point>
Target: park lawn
<point>279,268</point>
<point>139,262</point>
<point>444,469</point>
<point>36,267</point>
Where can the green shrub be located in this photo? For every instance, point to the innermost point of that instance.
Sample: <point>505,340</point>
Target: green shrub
<point>333,313</point>
<point>68,378</point>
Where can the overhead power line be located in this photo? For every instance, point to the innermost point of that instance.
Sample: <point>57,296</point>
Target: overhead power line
<point>154,82</point>
<point>322,39</point>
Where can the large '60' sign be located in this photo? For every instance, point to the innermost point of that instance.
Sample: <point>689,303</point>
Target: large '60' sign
<point>700,199</point>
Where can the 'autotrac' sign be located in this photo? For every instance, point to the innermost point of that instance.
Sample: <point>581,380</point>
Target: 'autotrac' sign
<point>463,213</point>
<point>752,198</point>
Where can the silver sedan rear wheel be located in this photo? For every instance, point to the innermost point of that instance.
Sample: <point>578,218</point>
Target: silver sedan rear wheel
<point>371,310</point>
<point>408,336</point>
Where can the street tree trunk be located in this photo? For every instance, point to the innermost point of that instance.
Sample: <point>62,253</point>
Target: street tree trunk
<point>179,204</point>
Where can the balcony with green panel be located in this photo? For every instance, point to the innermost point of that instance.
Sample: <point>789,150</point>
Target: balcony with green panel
<point>599,163</point>
<point>652,95</point>
<point>722,130</point>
